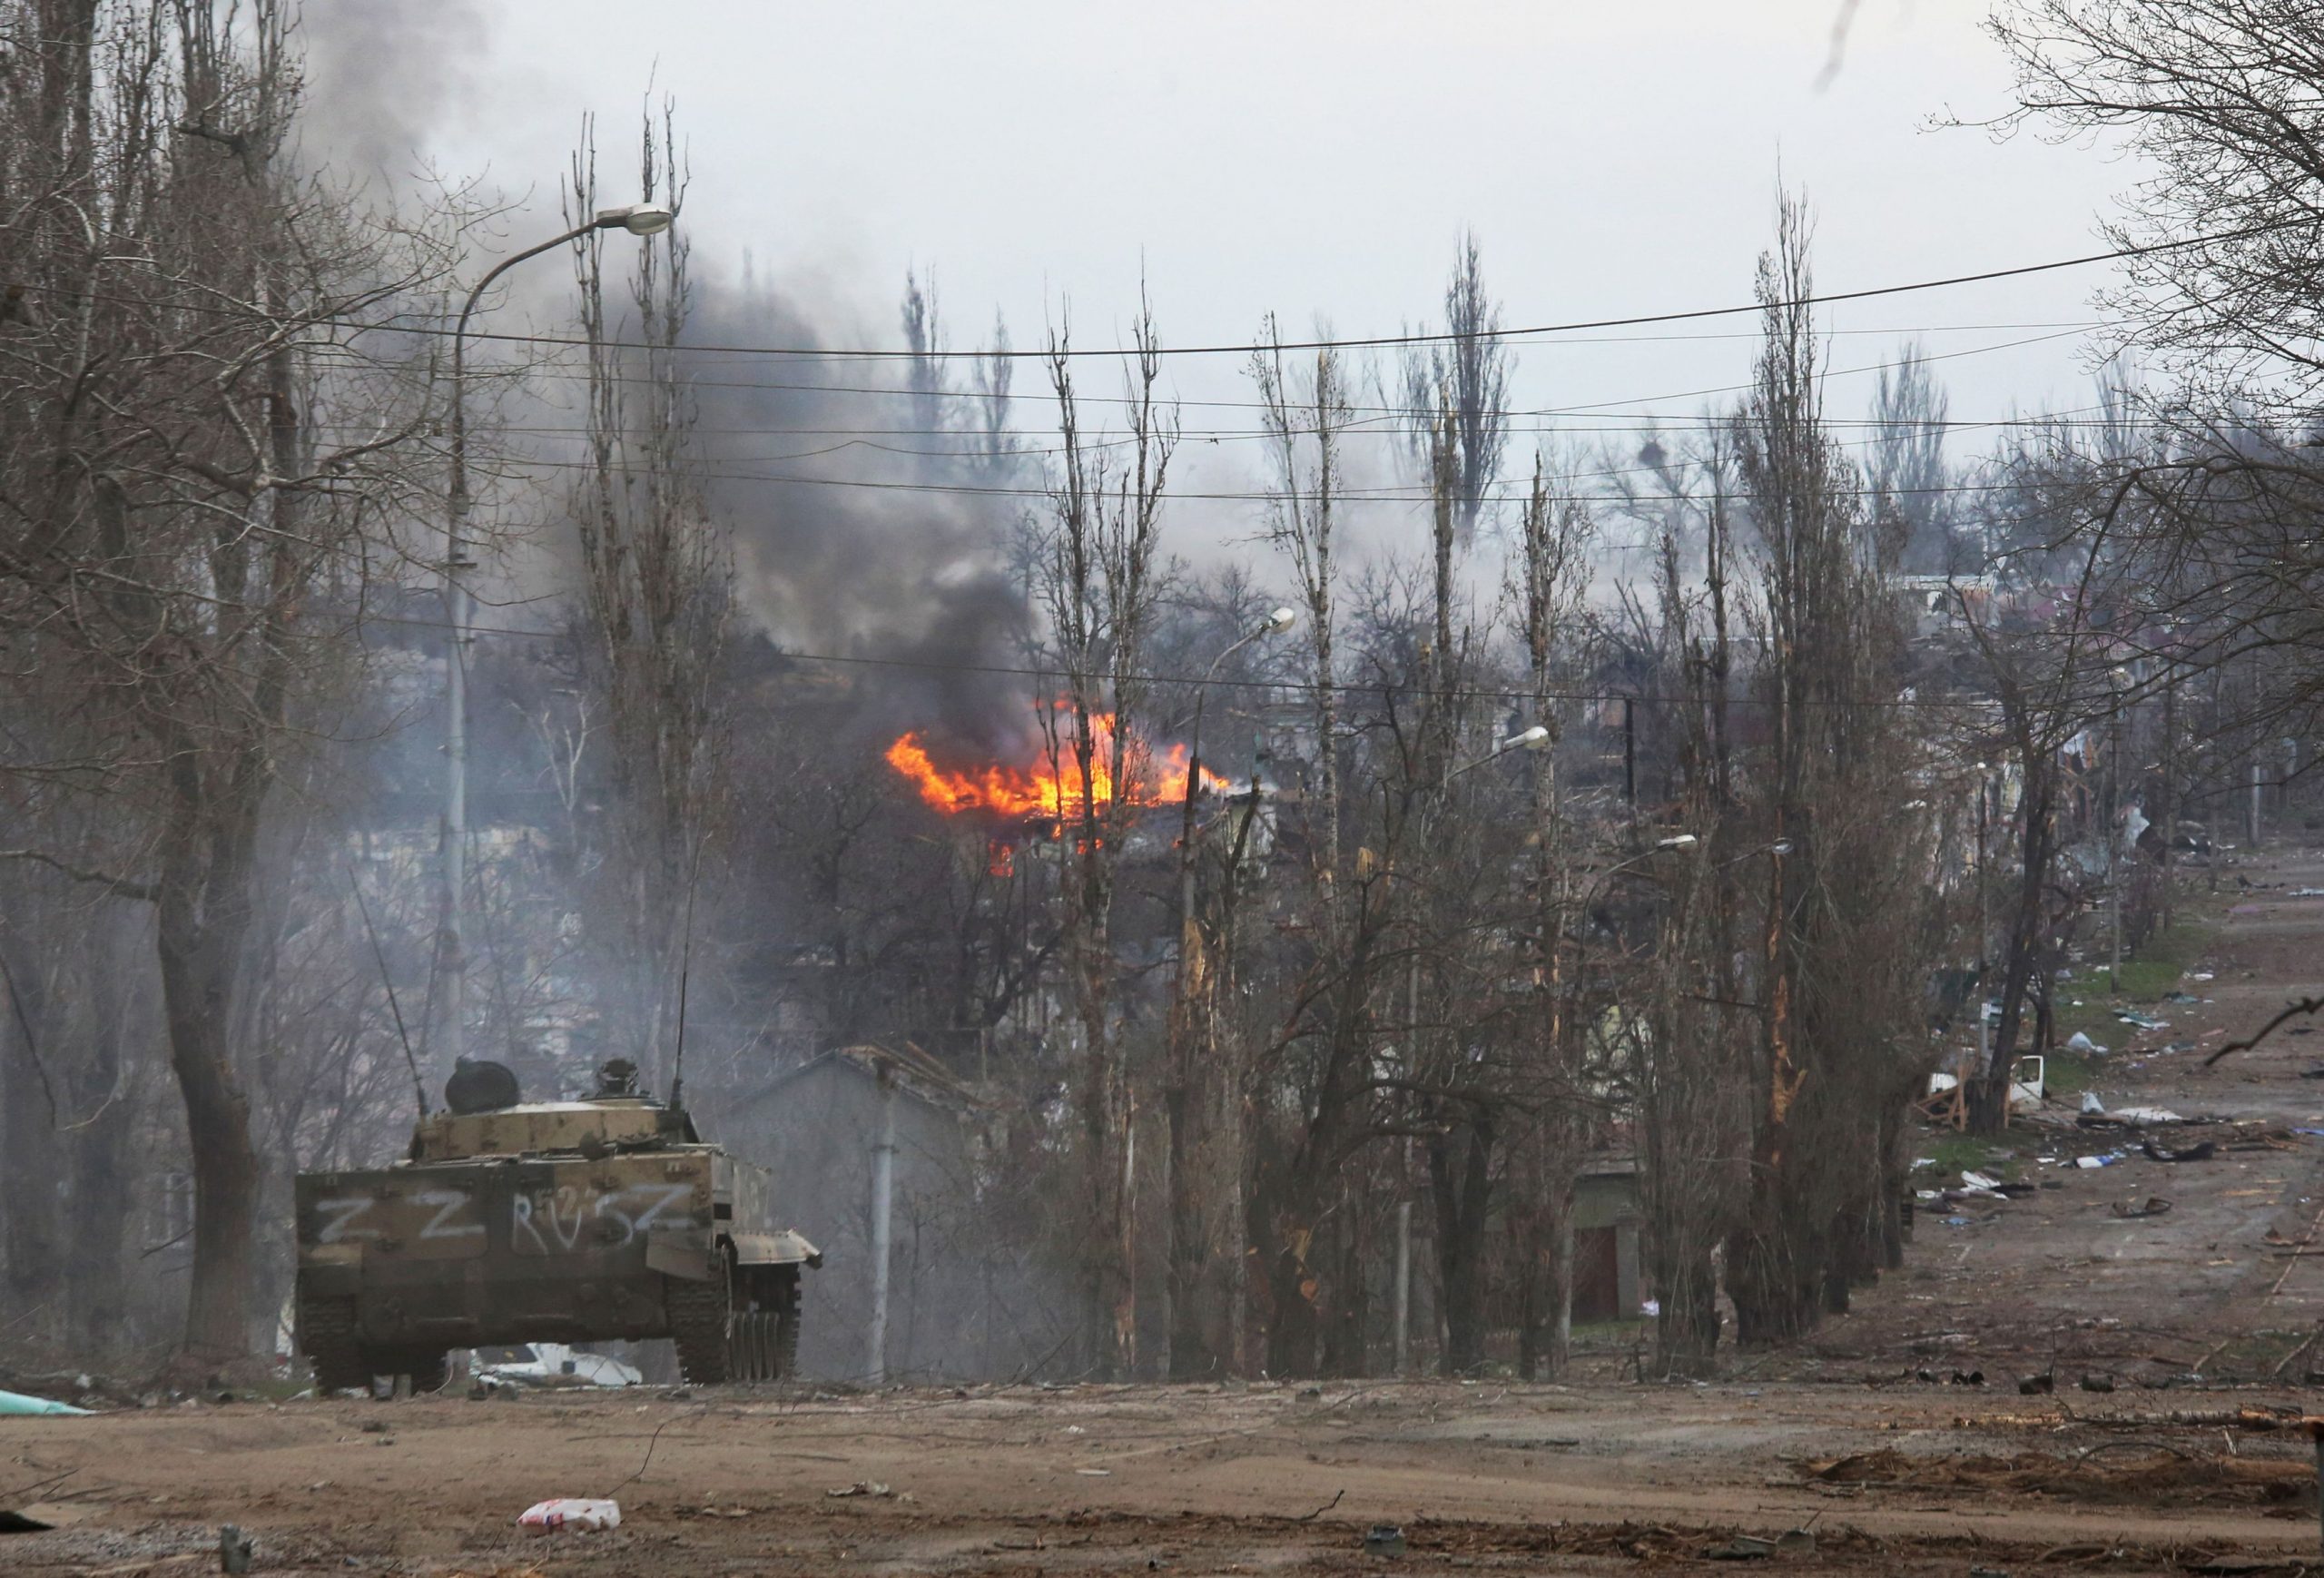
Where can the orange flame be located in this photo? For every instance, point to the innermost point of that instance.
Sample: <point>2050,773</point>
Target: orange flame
<point>1036,791</point>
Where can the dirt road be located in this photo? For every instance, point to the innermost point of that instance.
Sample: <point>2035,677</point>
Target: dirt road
<point>1141,1479</point>
<point>1889,1472</point>
<point>2218,1283</point>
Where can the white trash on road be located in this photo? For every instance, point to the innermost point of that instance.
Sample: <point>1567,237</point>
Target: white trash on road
<point>575,1512</point>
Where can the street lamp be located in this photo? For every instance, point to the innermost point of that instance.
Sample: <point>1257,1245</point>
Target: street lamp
<point>639,218</point>
<point>1781,846</point>
<point>1536,738</point>
<point>1278,621</point>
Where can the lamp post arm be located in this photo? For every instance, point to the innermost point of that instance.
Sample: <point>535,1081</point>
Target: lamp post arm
<point>450,944</point>
<point>459,368</point>
<point>1219,662</point>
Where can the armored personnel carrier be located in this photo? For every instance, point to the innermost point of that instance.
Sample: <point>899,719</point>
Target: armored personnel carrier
<point>555,1221</point>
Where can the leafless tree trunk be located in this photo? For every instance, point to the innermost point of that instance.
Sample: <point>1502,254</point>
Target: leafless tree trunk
<point>1551,576</point>
<point>655,592</point>
<point>1101,581</point>
<point>175,533</point>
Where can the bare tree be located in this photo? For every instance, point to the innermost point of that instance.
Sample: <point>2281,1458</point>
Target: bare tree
<point>2223,99</point>
<point>1830,969</point>
<point>1100,582</point>
<point>1548,579</point>
<point>1905,472</point>
<point>655,593</point>
<point>200,464</point>
<point>1459,383</point>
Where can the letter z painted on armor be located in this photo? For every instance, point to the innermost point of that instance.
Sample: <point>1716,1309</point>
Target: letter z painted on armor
<point>446,1202</point>
<point>339,1217</point>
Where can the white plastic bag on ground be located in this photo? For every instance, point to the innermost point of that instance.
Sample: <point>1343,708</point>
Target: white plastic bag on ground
<point>570,1512</point>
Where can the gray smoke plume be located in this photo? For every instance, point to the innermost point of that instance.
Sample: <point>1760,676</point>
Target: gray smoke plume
<point>901,555</point>
<point>382,76</point>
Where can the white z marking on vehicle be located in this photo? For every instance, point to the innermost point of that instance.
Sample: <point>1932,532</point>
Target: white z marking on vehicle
<point>446,1202</point>
<point>338,1225</point>
<point>670,1195</point>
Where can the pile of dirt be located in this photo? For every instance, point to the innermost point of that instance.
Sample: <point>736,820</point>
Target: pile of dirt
<point>2125,1475</point>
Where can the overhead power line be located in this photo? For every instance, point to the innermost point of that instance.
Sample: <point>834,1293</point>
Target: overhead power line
<point>1401,496</point>
<point>1377,341</point>
<point>1238,347</point>
<point>1341,687</point>
<point>2071,417</point>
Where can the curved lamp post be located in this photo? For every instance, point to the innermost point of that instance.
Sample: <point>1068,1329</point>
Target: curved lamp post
<point>639,218</point>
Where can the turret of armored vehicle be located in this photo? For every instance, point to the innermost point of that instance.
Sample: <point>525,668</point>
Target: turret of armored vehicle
<point>550,1221</point>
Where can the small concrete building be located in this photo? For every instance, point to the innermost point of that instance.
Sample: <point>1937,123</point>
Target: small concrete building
<point>818,1127</point>
<point>1606,1217</point>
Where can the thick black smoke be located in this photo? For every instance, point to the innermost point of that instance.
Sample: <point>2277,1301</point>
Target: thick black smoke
<point>867,522</point>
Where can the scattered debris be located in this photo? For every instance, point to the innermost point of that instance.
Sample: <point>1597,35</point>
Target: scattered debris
<point>579,1514</point>
<point>2079,1041</point>
<point>2041,1385</point>
<point>861,1487</point>
<point>2155,1206</point>
<point>2144,1021</point>
<point>2203,1151</point>
<point>551,1366</point>
<point>1384,1540</point>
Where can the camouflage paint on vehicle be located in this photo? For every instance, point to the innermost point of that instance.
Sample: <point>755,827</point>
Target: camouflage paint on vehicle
<point>570,1221</point>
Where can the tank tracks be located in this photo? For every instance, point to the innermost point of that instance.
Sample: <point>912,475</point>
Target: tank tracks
<point>333,1342</point>
<point>333,1345</point>
<point>717,1342</point>
<point>700,1326</point>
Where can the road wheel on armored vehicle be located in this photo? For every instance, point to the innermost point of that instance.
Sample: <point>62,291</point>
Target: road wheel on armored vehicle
<point>769,1321</point>
<point>332,1341</point>
<point>742,1326</point>
<point>429,1368</point>
<point>786,1322</point>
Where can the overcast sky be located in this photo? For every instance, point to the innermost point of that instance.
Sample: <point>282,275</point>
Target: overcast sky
<point>1301,157</point>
